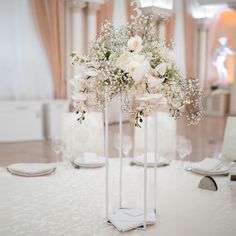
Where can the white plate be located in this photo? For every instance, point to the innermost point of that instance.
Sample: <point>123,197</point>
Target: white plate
<point>221,171</point>
<point>90,162</point>
<point>161,161</point>
<point>31,169</point>
<point>31,175</point>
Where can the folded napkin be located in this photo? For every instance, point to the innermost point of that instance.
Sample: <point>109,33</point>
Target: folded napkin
<point>151,158</point>
<point>31,168</point>
<point>90,158</point>
<point>208,164</point>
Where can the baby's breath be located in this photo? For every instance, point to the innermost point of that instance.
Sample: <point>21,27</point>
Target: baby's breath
<point>183,95</point>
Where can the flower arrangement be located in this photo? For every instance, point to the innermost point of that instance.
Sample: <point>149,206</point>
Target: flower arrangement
<point>132,60</point>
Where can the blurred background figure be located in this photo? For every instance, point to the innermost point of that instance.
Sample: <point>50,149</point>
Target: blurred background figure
<point>220,58</point>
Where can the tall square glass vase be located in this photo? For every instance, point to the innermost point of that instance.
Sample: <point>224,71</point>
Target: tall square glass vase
<point>125,218</point>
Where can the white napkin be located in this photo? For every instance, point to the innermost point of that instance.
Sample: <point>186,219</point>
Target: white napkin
<point>125,220</point>
<point>90,158</point>
<point>31,168</point>
<point>208,164</point>
<point>151,158</point>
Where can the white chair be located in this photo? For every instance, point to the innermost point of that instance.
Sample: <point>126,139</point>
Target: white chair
<point>85,137</point>
<point>229,143</point>
<point>166,136</point>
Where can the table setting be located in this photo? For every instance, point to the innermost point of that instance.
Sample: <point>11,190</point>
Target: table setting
<point>87,193</point>
<point>67,201</point>
<point>209,166</point>
<point>31,169</point>
<point>89,160</point>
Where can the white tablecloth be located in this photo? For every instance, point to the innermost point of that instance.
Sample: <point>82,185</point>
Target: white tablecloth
<point>71,202</point>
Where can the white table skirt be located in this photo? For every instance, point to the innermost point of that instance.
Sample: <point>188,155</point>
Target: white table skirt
<point>71,202</point>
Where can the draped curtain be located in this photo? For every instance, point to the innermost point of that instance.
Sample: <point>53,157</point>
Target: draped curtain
<point>24,69</point>
<point>49,15</point>
<point>170,29</point>
<point>190,26</point>
<point>105,13</point>
<point>129,10</point>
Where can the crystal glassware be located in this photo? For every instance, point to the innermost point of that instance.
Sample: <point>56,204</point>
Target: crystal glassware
<point>126,143</point>
<point>182,148</point>
<point>57,147</point>
<point>67,154</point>
<point>189,151</point>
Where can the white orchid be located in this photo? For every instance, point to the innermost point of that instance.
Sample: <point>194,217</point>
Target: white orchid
<point>161,69</point>
<point>152,78</point>
<point>79,97</point>
<point>124,60</point>
<point>77,83</point>
<point>135,64</point>
<point>92,72</point>
<point>138,69</point>
<point>141,70</point>
<point>154,81</point>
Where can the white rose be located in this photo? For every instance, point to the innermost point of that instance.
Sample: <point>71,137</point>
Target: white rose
<point>137,57</point>
<point>132,67</point>
<point>135,44</point>
<point>123,60</point>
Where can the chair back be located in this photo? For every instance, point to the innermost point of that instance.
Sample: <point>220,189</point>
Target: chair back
<point>166,129</point>
<point>229,143</point>
<point>85,137</point>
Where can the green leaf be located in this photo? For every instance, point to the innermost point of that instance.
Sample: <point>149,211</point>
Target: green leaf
<point>107,55</point>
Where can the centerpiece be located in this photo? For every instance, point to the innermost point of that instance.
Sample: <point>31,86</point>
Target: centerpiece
<point>131,62</point>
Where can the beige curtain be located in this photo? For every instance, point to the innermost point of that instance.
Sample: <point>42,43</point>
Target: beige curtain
<point>129,11</point>
<point>49,15</point>
<point>105,13</point>
<point>170,30</point>
<point>190,26</point>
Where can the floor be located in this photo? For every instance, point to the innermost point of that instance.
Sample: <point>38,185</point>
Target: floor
<point>206,140</point>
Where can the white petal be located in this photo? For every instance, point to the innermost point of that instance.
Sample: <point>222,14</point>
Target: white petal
<point>141,70</point>
<point>161,68</point>
<point>79,97</point>
<point>153,81</point>
<point>135,44</point>
<point>92,72</point>
<point>137,57</point>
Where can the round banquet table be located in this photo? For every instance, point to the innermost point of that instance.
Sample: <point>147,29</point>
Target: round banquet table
<point>71,202</point>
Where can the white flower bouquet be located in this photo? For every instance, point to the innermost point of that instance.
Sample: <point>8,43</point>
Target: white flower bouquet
<point>132,60</point>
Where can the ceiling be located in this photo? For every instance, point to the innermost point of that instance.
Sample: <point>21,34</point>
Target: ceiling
<point>213,2</point>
